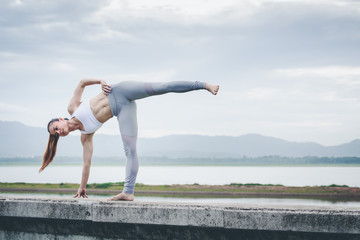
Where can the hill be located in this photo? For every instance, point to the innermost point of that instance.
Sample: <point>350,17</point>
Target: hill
<point>19,140</point>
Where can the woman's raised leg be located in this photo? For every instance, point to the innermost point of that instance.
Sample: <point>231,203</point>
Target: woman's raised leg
<point>132,90</point>
<point>179,87</point>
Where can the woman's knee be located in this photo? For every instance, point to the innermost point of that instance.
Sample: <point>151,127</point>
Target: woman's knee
<point>129,146</point>
<point>160,88</point>
<point>130,151</point>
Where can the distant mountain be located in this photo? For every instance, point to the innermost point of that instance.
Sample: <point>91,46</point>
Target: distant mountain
<point>19,140</point>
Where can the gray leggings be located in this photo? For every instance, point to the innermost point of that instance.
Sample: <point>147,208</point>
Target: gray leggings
<point>122,104</point>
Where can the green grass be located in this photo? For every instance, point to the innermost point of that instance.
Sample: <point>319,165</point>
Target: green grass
<point>331,192</point>
<point>233,187</point>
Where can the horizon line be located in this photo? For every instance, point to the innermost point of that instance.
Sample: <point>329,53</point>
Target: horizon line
<point>197,134</point>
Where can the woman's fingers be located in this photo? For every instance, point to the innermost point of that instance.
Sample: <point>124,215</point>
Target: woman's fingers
<point>106,89</point>
<point>82,195</point>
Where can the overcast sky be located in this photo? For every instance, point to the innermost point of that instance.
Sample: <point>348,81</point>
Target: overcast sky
<point>287,69</point>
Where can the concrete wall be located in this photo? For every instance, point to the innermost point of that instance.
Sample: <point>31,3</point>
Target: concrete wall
<point>22,218</point>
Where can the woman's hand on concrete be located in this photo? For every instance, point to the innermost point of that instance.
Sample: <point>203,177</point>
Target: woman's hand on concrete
<point>81,193</point>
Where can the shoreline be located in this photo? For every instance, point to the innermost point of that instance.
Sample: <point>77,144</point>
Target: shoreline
<point>332,193</point>
<point>79,164</point>
<point>188,193</point>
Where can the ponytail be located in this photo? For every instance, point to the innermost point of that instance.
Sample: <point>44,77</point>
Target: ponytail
<point>50,151</point>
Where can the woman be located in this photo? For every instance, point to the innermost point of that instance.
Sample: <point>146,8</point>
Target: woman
<point>117,100</point>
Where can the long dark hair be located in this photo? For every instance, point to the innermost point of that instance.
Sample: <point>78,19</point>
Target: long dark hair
<point>50,151</point>
<point>51,147</point>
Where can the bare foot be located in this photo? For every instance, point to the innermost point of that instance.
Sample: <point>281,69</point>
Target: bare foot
<point>212,88</point>
<point>122,197</point>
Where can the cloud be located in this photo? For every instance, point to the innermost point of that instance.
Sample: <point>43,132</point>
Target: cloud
<point>15,3</point>
<point>334,97</point>
<point>204,12</point>
<point>178,11</point>
<point>308,124</point>
<point>262,93</point>
<point>158,76</point>
<point>63,66</point>
<point>106,33</point>
<point>328,71</point>
<point>265,54</point>
<point>342,74</point>
<point>11,108</point>
<point>7,55</point>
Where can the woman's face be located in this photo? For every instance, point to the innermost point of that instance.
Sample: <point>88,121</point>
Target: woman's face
<point>59,128</point>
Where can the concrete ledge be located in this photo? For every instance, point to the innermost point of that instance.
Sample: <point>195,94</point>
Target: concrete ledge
<point>137,217</point>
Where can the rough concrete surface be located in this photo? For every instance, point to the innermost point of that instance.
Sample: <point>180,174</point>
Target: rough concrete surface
<point>57,218</point>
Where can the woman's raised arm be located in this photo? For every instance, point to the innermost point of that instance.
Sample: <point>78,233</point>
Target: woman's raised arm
<point>76,98</point>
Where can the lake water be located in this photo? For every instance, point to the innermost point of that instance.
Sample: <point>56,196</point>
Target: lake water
<point>213,175</point>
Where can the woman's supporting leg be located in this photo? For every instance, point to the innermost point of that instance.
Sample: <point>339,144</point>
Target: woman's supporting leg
<point>127,119</point>
<point>132,163</point>
<point>128,128</point>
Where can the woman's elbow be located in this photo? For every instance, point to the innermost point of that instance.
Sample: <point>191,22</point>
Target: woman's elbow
<point>82,83</point>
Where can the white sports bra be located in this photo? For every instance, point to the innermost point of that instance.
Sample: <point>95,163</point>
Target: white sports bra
<point>87,118</point>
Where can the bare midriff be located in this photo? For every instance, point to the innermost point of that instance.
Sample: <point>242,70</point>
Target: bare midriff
<point>100,107</point>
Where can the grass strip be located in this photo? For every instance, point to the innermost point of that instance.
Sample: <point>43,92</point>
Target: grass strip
<point>192,189</point>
